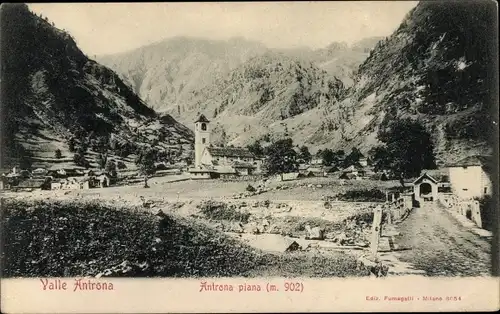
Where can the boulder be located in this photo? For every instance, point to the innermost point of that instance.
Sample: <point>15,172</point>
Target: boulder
<point>251,228</point>
<point>330,235</point>
<point>341,239</point>
<point>362,243</point>
<point>315,233</point>
<point>265,223</point>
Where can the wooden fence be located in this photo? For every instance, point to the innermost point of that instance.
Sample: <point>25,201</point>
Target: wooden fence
<point>396,208</point>
<point>465,207</point>
<point>400,206</point>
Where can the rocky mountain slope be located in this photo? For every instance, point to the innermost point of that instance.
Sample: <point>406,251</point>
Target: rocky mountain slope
<point>341,60</point>
<point>436,67</point>
<point>166,74</point>
<point>265,91</point>
<point>51,94</point>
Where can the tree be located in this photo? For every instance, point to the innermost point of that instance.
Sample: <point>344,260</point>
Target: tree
<point>304,154</point>
<point>110,168</point>
<point>339,157</point>
<point>380,158</point>
<point>353,157</point>
<point>146,164</point>
<point>256,149</point>
<point>79,159</point>
<point>121,165</point>
<point>100,144</point>
<point>407,149</point>
<point>101,160</point>
<point>281,157</point>
<point>327,156</point>
<point>71,145</point>
<point>58,154</point>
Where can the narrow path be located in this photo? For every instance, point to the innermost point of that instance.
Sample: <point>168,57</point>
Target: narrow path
<point>441,246</point>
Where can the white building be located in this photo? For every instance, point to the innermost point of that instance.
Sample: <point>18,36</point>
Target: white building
<point>425,188</point>
<point>469,177</point>
<point>221,160</point>
<point>201,138</point>
<point>363,162</point>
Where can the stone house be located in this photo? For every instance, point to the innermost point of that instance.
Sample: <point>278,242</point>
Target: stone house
<point>34,184</point>
<point>470,177</point>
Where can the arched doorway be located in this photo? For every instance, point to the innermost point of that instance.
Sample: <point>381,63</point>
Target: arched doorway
<point>425,188</point>
<point>426,191</point>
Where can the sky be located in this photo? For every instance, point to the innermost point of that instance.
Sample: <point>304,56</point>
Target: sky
<point>107,28</point>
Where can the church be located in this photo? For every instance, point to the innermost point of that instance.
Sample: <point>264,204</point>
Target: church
<point>214,162</point>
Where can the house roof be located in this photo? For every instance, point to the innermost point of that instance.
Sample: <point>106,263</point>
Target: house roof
<point>354,167</point>
<point>475,160</point>
<point>31,183</point>
<point>230,152</point>
<point>331,169</point>
<point>202,118</point>
<point>194,170</point>
<point>226,170</point>
<point>425,175</point>
<point>438,174</point>
<point>348,175</point>
<point>379,175</point>
<point>203,169</point>
<point>272,242</point>
<point>238,164</point>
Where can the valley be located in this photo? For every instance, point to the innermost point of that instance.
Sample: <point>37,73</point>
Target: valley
<point>196,157</point>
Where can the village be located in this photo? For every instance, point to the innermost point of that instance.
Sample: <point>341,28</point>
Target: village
<point>467,179</point>
<point>284,212</point>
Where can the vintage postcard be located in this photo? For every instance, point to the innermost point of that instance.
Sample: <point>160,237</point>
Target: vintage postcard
<point>249,157</point>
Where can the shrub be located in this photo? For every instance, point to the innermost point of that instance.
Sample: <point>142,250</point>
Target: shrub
<point>80,160</point>
<point>363,195</point>
<point>76,239</point>
<point>60,239</point>
<point>58,153</point>
<point>250,188</point>
<point>161,166</point>
<point>488,216</point>
<point>220,211</point>
<point>121,165</point>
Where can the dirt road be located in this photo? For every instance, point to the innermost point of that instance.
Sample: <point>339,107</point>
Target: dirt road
<point>441,246</point>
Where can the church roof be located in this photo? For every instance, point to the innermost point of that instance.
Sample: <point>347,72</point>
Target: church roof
<point>230,152</point>
<point>202,118</point>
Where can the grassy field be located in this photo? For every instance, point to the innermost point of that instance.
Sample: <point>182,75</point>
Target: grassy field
<point>85,232</point>
<point>85,238</point>
<point>306,189</point>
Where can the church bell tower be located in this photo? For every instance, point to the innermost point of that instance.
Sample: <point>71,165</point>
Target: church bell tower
<point>201,138</point>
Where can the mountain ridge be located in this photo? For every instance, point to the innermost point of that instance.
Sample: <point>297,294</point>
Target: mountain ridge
<point>53,93</point>
<point>165,72</point>
<point>433,68</point>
